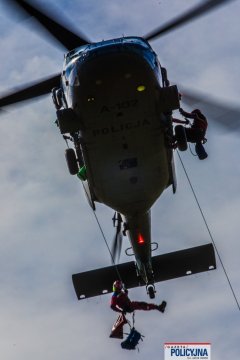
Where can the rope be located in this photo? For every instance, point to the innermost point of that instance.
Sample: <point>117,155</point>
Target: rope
<point>190,148</point>
<point>103,235</point>
<point>209,232</point>
<point>133,319</point>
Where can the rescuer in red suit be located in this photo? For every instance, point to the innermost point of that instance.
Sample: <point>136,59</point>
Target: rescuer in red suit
<point>120,301</point>
<point>196,133</point>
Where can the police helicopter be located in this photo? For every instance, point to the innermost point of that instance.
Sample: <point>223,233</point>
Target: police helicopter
<point>114,103</point>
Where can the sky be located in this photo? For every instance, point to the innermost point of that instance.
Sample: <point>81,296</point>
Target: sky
<point>48,231</point>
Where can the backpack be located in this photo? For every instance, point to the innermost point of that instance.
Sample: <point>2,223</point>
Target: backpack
<point>132,340</point>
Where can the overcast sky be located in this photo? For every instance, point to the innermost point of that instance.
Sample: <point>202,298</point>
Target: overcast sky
<point>47,230</point>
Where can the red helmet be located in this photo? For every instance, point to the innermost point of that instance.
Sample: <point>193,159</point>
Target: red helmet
<point>117,285</point>
<point>197,112</point>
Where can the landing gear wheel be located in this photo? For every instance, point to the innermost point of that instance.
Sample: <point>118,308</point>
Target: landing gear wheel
<point>181,138</point>
<point>151,291</point>
<point>71,161</point>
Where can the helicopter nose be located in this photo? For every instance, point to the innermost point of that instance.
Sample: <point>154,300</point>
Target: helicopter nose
<point>116,74</point>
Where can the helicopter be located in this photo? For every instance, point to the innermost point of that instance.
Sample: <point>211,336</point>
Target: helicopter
<point>122,133</point>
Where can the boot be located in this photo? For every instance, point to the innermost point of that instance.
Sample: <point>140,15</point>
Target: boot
<point>201,153</point>
<point>162,306</point>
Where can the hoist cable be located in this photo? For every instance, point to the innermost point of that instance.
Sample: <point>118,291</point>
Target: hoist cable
<point>209,232</point>
<point>191,150</point>
<point>103,235</point>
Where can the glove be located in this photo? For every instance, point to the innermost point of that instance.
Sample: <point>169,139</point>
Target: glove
<point>187,122</point>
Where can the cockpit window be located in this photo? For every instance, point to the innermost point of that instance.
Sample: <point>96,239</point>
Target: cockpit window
<point>135,45</point>
<point>75,53</point>
<point>82,50</point>
<point>73,77</point>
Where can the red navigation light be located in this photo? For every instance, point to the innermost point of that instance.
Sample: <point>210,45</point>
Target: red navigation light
<point>141,240</point>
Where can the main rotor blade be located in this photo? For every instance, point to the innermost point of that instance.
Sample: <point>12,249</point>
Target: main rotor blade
<point>30,91</point>
<point>65,36</point>
<point>225,115</point>
<point>188,16</point>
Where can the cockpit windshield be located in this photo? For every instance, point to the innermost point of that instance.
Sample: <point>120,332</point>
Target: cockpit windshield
<point>83,50</point>
<point>135,45</point>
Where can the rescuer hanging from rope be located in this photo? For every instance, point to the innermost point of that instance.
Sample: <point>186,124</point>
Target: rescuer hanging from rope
<point>196,133</point>
<point>120,301</point>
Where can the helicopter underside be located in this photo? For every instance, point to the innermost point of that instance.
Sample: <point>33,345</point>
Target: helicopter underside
<point>124,144</point>
<point>123,139</point>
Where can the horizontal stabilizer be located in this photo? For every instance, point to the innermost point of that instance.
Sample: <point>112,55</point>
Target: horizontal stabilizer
<point>168,266</point>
